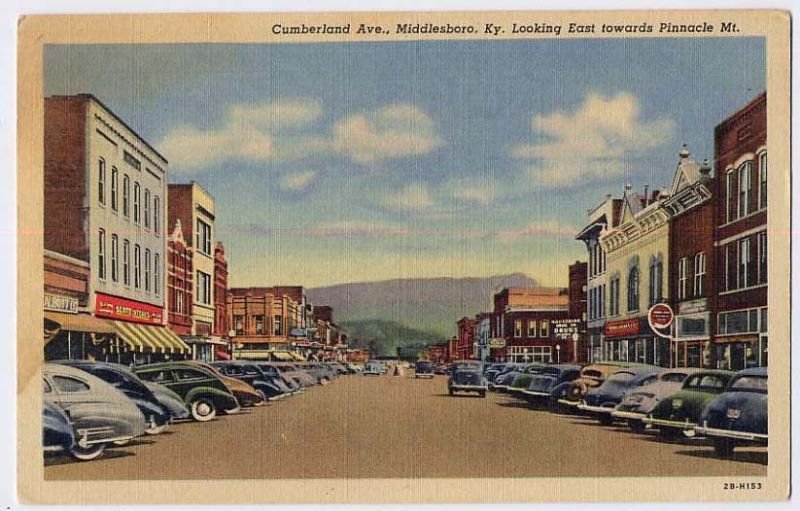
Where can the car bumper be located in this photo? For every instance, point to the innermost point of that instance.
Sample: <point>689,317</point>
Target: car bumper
<point>424,375</point>
<point>467,387</point>
<point>536,393</point>
<point>594,408</point>
<point>567,402</point>
<point>628,415</point>
<point>666,423</point>
<point>727,433</point>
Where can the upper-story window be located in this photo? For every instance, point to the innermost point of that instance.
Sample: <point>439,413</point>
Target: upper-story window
<point>101,254</point>
<point>203,237</point>
<point>126,195</point>
<point>147,269</point>
<point>730,208</point>
<point>203,288</point>
<point>101,181</point>
<point>633,289</point>
<point>137,196</point>
<point>762,257</point>
<point>146,207</point>
<point>156,214</point>
<point>531,328</point>
<point>745,187</point>
<point>517,328</point>
<point>544,328</point>
<point>656,280</point>
<point>114,184</point>
<point>137,266</point>
<point>683,277</point>
<point>613,306</point>
<point>114,257</point>
<point>699,273</point>
<point>744,262</point>
<point>762,180</point>
<point>157,274</point>
<point>126,262</point>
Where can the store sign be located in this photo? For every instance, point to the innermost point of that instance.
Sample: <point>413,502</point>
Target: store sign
<point>114,307</point>
<point>60,303</point>
<point>297,332</point>
<point>660,316</point>
<point>624,327</point>
<point>565,328</point>
<point>693,306</point>
<point>497,343</point>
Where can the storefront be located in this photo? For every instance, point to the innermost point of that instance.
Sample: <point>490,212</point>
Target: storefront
<point>79,336</point>
<point>632,340</point>
<point>742,339</point>
<point>692,342</point>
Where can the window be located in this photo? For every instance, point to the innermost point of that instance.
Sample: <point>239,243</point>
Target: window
<point>531,328</point>
<point>699,273</point>
<point>66,384</point>
<point>137,266</point>
<point>147,269</point>
<point>739,322</point>
<point>203,237</point>
<point>146,207</point>
<point>114,257</point>
<point>136,202</point>
<point>156,215</point>
<point>544,328</point>
<point>762,180</point>
<point>126,195</point>
<point>542,354</point>
<point>762,257</point>
<point>160,376</point>
<point>259,320</point>
<point>126,262</point>
<point>633,289</point>
<point>730,267</point>
<point>683,277</point>
<point>517,328</point>
<point>238,325</point>
<point>101,181</point>
<point>157,274</point>
<point>114,180</point>
<point>614,299</point>
<point>189,374</point>
<point>203,287</point>
<point>101,254</point>
<point>730,207</point>
<point>277,326</point>
<point>744,262</point>
<point>179,301</point>
<point>745,187</point>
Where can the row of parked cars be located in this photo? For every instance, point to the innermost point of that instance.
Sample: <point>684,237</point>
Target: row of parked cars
<point>729,408</point>
<point>90,405</point>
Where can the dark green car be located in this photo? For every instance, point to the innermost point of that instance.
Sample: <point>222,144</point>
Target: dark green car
<point>202,390</point>
<point>681,412</point>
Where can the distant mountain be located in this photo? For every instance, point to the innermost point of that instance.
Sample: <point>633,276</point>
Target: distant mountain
<point>383,338</point>
<point>431,306</point>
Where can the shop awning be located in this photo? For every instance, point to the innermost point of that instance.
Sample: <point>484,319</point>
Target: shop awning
<point>153,339</point>
<point>282,355</point>
<point>202,339</point>
<point>80,323</point>
<point>298,357</point>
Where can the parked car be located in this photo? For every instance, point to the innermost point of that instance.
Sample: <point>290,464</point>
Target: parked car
<point>682,411</point>
<point>372,369</point>
<point>572,393</point>
<point>461,364</point>
<point>739,415</point>
<point>423,369</point>
<point>497,370</point>
<point>100,414</point>
<point>467,379</point>
<point>283,380</point>
<point>123,379</point>
<point>503,381</point>
<point>249,373</point>
<point>523,378</point>
<point>636,404</point>
<point>291,371</point>
<point>601,400</point>
<point>169,400</point>
<point>244,393</point>
<point>57,433</point>
<point>440,369</point>
<point>542,384</point>
<point>203,390</point>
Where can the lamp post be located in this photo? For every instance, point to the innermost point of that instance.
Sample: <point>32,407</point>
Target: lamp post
<point>558,353</point>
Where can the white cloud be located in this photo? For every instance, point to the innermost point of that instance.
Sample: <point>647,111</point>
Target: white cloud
<point>593,142</point>
<point>413,198</point>
<point>549,228</point>
<point>297,181</point>
<point>478,194</point>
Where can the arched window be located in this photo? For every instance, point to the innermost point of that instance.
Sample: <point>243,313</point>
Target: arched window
<point>633,289</point>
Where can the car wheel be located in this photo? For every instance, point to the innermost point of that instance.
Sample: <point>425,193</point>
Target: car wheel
<point>89,453</point>
<point>636,425</point>
<point>723,447</point>
<point>605,419</point>
<point>203,410</point>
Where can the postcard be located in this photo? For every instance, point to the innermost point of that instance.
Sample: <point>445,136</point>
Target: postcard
<point>404,257</point>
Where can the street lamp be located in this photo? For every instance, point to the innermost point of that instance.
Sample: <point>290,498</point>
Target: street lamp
<point>558,353</point>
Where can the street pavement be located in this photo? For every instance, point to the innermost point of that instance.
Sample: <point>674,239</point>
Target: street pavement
<point>398,426</point>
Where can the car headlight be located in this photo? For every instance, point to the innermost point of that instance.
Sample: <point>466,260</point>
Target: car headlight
<point>677,403</point>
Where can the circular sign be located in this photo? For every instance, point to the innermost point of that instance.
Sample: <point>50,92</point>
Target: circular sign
<point>497,343</point>
<point>660,316</point>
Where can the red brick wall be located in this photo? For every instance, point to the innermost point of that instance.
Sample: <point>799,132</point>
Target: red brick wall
<point>221,327</point>
<point>64,176</point>
<point>179,276</point>
<point>180,208</point>
<point>67,279</point>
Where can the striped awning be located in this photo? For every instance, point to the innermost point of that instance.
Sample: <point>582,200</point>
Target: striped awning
<point>150,339</point>
<point>282,355</point>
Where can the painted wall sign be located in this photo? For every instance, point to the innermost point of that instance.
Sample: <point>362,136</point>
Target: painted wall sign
<point>693,306</point>
<point>114,307</point>
<point>60,303</point>
<point>621,328</point>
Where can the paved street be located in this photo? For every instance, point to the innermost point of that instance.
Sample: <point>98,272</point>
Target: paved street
<point>386,426</point>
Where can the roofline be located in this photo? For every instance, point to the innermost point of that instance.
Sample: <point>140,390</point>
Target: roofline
<point>750,105</point>
<point>92,97</point>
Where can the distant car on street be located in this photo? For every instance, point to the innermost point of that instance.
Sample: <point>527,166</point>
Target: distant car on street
<point>423,369</point>
<point>440,369</point>
<point>467,379</point>
<point>739,415</point>
<point>373,369</point>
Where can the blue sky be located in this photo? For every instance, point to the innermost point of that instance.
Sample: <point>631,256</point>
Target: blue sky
<point>353,162</point>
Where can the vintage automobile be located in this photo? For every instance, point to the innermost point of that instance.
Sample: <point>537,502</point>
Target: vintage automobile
<point>600,401</point>
<point>635,405</point>
<point>169,400</point>
<point>57,433</point>
<point>244,393</point>
<point>738,415</point>
<point>497,370</point>
<point>570,394</point>
<point>681,412</point>
<point>467,379</point>
<point>249,373</point>
<point>292,372</point>
<point>541,385</point>
<point>100,414</point>
<point>423,369</point>
<point>503,381</point>
<point>373,369</point>
<point>520,383</point>
<point>202,389</point>
<point>461,364</point>
<point>283,381</point>
<point>440,369</point>
<point>120,377</point>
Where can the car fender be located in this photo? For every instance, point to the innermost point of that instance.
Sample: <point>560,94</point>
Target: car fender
<point>221,399</point>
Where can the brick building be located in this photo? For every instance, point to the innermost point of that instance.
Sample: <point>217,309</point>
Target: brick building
<point>179,282</point>
<point>465,340</point>
<point>221,325</point>
<point>578,276</point>
<point>740,147</point>
<point>262,318</point>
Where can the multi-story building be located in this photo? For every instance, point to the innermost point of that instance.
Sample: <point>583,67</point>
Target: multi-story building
<point>637,260</point>
<point>740,146</point>
<point>179,282</point>
<point>601,218</point>
<point>194,207</point>
<point>262,319</point>
<point>221,326</point>
<point>575,326</point>
<point>482,334</point>
<point>105,195</point>
<point>525,317</point>
<point>691,264</point>
<point>465,340</point>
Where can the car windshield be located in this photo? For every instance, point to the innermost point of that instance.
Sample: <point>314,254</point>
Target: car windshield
<point>673,377</point>
<point>750,383</point>
<point>709,381</point>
